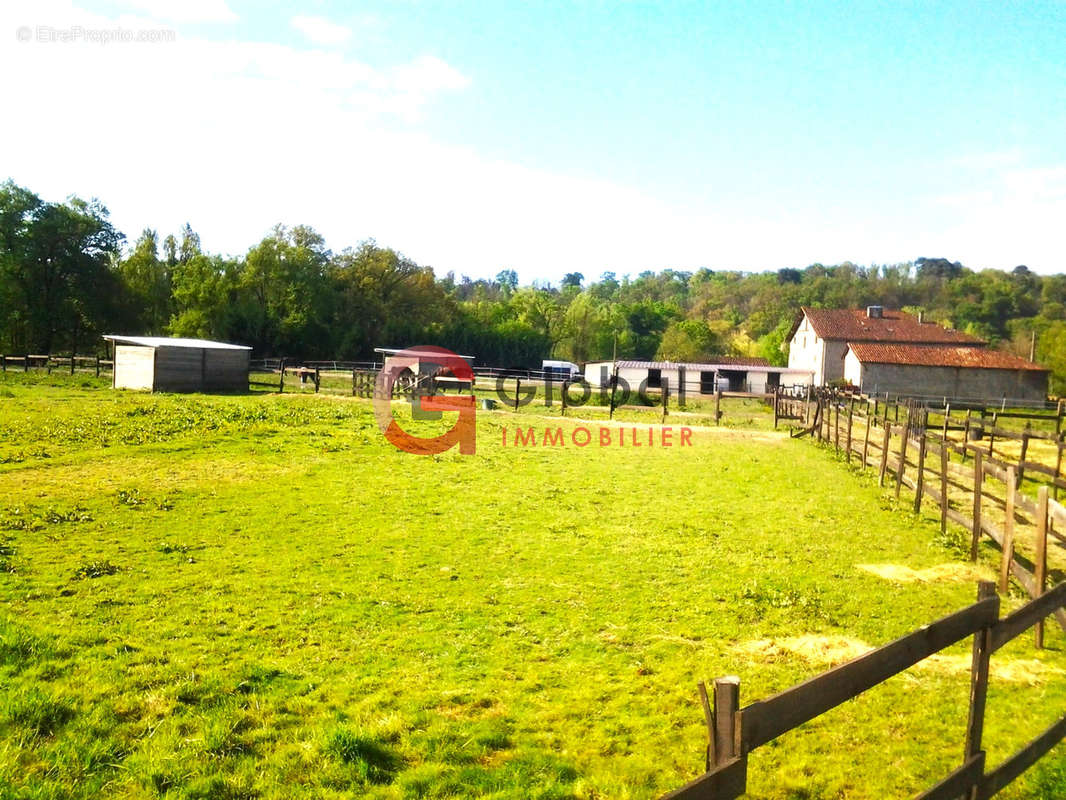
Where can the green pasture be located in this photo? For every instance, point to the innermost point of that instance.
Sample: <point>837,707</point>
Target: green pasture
<point>258,597</point>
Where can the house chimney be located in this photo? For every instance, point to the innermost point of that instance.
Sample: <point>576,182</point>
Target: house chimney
<point>874,312</point>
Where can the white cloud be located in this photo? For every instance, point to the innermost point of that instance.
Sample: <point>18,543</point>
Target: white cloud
<point>321,30</point>
<point>185,10</point>
<point>428,74</point>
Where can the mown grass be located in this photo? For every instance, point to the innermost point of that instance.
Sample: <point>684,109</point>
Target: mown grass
<point>240,597</point>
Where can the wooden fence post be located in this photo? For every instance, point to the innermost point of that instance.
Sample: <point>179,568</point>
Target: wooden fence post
<point>281,381</point>
<point>866,439</point>
<point>1025,449</point>
<point>775,407</point>
<point>884,453</point>
<point>943,485</point>
<point>614,387</point>
<point>26,363</point>
<point>665,392</point>
<point>72,356</point>
<point>562,399</point>
<point>978,488</point>
<point>518,391</point>
<point>1040,568</point>
<point>919,480</point>
<point>718,407</point>
<point>982,649</point>
<point>1058,464</point>
<point>318,379</point>
<point>1008,533</point>
<point>726,707</point>
<point>3,363</point>
<point>836,427</point>
<point>708,716</point>
<point>902,466</point>
<point>847,441</point>
<point>98,366</point>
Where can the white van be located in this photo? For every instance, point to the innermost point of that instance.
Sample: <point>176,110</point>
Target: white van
<point>560,370</point>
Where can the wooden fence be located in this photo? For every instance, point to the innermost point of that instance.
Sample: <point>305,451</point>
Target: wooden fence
<point>970,484</point>
<point>967,481</point>
<point>734,732</point>
<point>70,362</point>
<point>363,384</point>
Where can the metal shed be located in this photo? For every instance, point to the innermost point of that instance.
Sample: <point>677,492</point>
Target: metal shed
<point>162,364</point>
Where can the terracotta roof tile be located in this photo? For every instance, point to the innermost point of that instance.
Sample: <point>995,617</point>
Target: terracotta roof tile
<point>852,325</point>
<point>940,356</point>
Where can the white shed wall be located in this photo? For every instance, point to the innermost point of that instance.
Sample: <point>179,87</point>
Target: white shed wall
<point>134,367</point>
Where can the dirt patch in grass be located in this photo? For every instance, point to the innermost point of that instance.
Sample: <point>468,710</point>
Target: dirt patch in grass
<point>812,648</point>
<point>938,572</point>
<point>828,651</point>
<point>1028,671</point>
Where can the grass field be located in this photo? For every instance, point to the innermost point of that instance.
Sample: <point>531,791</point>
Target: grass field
<point>241,597</point>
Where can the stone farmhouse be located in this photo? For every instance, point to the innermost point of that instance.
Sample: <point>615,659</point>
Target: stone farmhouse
<point>879,350</point>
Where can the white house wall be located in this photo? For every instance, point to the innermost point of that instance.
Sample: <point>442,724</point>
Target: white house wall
<point>806,351</point>
<point>853,369</point>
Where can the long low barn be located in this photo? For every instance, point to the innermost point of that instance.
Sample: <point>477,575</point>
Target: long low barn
<point>952,371</point>
<point>162,364</point>
<point>725,373</point>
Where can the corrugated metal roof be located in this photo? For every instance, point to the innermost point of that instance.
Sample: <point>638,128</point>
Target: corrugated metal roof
<point>415,352</point>
<point>720,361</point>
<point>852,325</point>
<point>940,356</point>
<point>166,341</point>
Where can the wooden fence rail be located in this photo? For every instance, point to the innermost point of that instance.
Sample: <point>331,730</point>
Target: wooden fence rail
<point>969,485</point>
<point>70,361</point>
<point>734,732</point>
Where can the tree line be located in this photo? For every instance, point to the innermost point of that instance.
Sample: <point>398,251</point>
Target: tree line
<point>67,276</point>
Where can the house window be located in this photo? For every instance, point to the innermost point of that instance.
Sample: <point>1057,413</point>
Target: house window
<point>707,382</point>
<point>655,379</point>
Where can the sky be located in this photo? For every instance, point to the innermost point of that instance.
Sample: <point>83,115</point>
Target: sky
<point>555,137</point>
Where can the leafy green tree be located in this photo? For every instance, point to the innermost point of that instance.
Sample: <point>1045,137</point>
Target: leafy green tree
<point>584,322</point>
<point>543,311</point>
<point>148,280</point>
<point>56,271</point>
<point>508,279</point>
<point>688,340</point>
<point>282,293</point>
<point>203,296</point>
<point>384,299</point>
